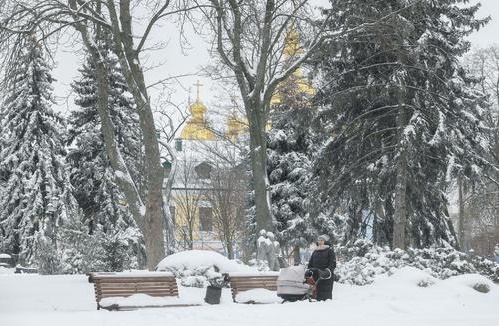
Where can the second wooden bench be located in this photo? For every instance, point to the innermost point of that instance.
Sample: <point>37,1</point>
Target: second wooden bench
<point>240,283</point>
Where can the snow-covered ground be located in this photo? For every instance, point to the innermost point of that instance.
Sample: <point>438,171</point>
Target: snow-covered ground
<point>68,300</point>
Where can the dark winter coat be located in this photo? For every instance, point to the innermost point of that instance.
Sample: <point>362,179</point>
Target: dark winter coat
<point>321,259</point>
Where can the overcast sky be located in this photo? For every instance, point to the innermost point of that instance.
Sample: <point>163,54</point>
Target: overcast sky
<point>490,33</point>
<point>170,61</point>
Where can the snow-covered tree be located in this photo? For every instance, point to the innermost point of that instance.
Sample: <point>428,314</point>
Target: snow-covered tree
<point>92,176</point>
<point>479,212</point>
<point>37,200</point>
<point>289,165</point>
<point>400,118</point>
<point>114,17</point>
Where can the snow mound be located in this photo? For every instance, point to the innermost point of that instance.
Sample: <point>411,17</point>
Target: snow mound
<point>200,268</point>
<point>402,283</point>
<point>258,296</point>
<point>477,282</point>
<point>5,270</point>
<point>410,276</point>
<point>194,259</point>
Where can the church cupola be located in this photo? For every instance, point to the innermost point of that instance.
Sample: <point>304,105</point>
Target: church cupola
<point>197,127</point>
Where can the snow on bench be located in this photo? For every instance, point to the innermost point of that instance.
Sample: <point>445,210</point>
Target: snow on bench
<point>126,291</point>
<point>253,288</point>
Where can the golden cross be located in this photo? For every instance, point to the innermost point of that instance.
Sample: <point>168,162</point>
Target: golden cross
<point>198,85</point>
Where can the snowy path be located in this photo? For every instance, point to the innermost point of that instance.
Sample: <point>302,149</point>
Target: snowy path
<point>27,300</point>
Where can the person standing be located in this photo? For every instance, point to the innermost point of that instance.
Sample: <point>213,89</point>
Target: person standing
<point>323,263</point>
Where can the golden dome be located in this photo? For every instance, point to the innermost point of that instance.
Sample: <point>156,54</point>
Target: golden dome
<point>198,109</point>
<point>197,127</point>
<point>296,81</point>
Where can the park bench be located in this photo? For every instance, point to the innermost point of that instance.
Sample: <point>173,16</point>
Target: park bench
<point>119,285</point>
<point>240,283</point>
<point>26,270</point>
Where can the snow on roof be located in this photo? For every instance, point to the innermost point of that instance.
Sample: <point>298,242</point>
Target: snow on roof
<point>5,256</point>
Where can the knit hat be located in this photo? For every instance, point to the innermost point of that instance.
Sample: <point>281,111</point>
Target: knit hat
<point>323,237</point>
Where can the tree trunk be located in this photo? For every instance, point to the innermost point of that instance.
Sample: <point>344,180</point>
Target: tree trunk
<point>400,208</point>
<point>460,219</point>
<point>400,214</point>
<point>296,256</point>
<point>149,217</point>
<point>230,249</point>
<point>258,147</point>
<point>169,222</point>
<point>379,219</point>
<point>154,237</point>
<point>134,76</point>
<point>150,222</point>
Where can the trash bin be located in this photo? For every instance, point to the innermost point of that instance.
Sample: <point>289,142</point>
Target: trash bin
<point>213,294</point>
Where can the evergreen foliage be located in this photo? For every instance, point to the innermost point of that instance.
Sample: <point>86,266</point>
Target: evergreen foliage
<point>37,201</point>
<point>98,251</point>
<point>364,261</point>
<point>289,167</point>
<point>395,101</point>
<point>106,214</point>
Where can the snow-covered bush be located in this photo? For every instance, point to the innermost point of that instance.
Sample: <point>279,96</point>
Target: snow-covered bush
<point>97,252</point>
<point>362,261</point>
<point>46,258</point>
<point>200,268</point>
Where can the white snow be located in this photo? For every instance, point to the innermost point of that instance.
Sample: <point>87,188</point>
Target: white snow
<point>194,259</point>
<point>63,300</point>
<point>120,175</point>
<point>146,300</point>
<point>142,210</point>
<point>258,296</point>
<point>5,256</point>
<point>262,239</point>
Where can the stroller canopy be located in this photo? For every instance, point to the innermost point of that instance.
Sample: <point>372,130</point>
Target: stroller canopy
<point>291,281</point>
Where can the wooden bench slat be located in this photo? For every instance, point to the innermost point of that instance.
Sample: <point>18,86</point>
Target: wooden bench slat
<point>139,290</point>
<point>245,283</point>
<point>131,280</point>
<point>119,285</point>
<point>147,284</point>
<point>252,283</point>
<point>123,294</point>
<point>242,278</point>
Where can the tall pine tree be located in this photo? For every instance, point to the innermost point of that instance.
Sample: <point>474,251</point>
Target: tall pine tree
<point>289,165</point>
<point>37,200</point>
<point>399,117</point>
<point>98,195</point>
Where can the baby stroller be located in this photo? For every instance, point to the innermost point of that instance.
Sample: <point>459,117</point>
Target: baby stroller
<point>297,283</point>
